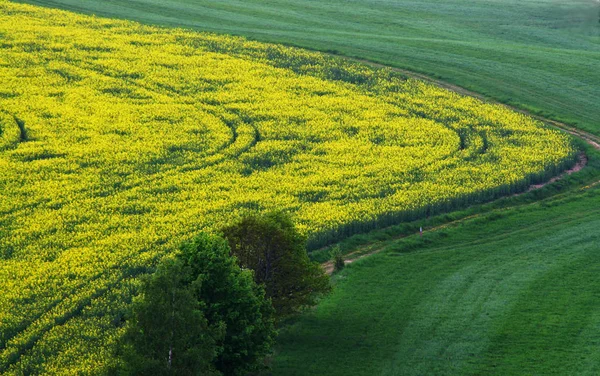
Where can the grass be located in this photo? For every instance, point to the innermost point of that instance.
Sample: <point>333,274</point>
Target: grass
<point>541,55</point>
<point>510,292</point>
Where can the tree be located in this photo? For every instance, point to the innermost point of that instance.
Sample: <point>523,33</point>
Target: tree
<point>273,248</point>
<point>199,314</point>
<point>234,302</point>
<point>168,333</point>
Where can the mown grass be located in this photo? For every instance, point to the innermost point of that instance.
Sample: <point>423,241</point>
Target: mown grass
<point>509,292</point>
<point>539,55</point>
<point>373,241</point>
<point>509,287</point>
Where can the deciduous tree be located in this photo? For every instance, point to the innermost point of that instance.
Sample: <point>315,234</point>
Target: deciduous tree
<point>273,248</point>
<point>199,314</point>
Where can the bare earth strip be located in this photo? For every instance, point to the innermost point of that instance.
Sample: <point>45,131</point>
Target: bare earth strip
<point>578,167</point>
<point>377,247</point>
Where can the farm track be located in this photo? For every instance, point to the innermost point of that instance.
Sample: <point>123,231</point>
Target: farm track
<point>25,339</point>
<point>378,246</point>
<point>581,163</point>
<point>29,337</point>
<point>590,139</point>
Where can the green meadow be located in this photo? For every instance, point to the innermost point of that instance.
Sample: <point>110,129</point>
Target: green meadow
<point>511,289</point>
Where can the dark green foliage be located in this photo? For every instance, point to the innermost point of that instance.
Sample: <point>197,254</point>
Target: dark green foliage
<point>272,247</point>
<point>337,257</point>
<point>206,310</point>
<point>169,317</point>
<point>233,302</point>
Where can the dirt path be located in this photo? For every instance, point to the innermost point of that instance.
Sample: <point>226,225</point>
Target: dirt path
<point>380,246</point>
<point>589,138</point>
<point>578,167</point>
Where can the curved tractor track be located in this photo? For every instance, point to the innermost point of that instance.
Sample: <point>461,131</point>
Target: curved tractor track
<point>134,195</point>
<point>376,247</point>
<point>589,138</point>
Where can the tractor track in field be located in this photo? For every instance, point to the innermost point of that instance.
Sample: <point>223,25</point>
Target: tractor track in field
<point>590,139</point>
<point>581,163</point>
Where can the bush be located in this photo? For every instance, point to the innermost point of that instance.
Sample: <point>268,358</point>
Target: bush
<point>337,258</point>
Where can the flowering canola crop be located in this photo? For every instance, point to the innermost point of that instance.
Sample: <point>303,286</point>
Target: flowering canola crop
<point>119,141</point>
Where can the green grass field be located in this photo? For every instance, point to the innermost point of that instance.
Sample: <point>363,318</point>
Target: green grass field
<point>510,292</point>
<point>542,55</point>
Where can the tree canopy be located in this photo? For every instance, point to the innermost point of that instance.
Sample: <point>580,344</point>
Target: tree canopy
<point>273,248</point>
<point>199,314</point>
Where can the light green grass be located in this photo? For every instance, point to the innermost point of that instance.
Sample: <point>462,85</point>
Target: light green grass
<point>508,293</point>
<point>542,55</point>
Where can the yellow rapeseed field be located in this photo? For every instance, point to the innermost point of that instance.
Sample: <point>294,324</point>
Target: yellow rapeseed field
<point>119,141</point>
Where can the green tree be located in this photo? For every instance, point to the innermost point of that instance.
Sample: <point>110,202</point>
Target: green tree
<point>199,314</point>
<point>273,248</point>
<point>233,302</point>
<point>168,332</point>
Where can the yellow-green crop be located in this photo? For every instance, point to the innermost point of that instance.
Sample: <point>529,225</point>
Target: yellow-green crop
<point>119,141</point>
